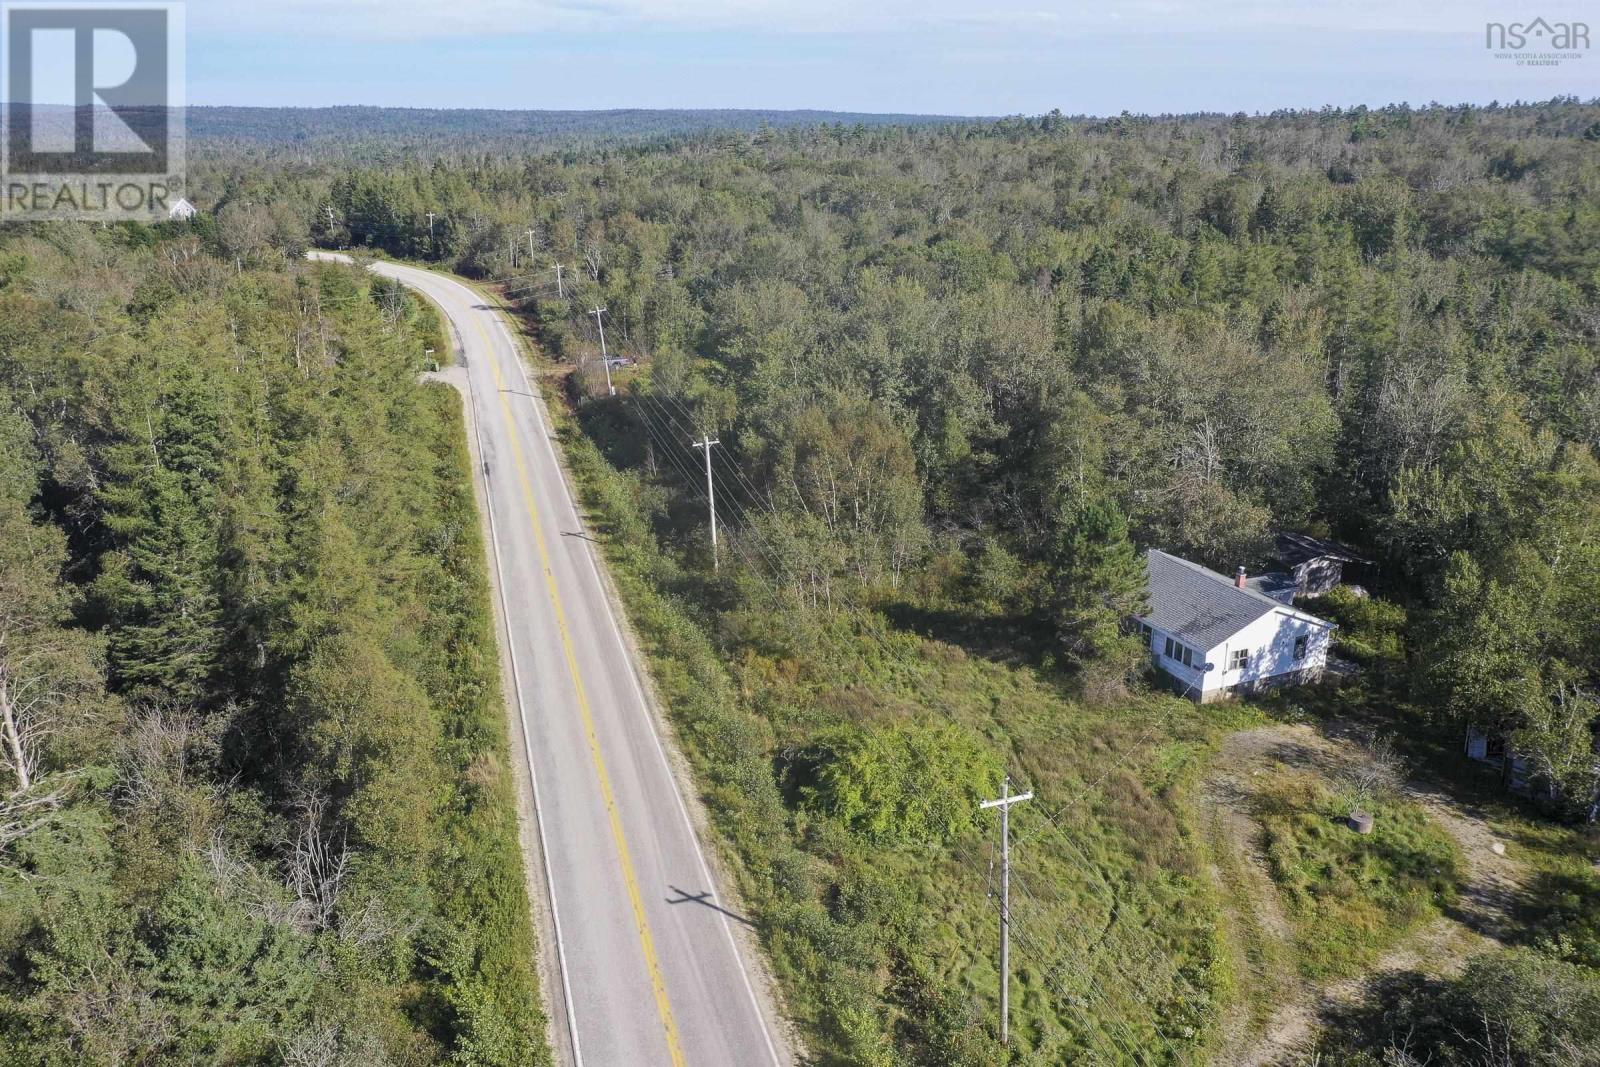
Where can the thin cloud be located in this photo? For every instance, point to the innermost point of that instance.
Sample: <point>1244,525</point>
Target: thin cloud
<point>425,19</point>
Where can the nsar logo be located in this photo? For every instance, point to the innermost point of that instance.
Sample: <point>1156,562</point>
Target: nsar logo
<point>1539,43</point>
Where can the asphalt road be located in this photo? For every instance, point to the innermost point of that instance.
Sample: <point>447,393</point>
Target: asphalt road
<point>651,970</point>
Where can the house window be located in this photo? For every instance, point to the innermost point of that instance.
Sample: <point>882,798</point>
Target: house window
<point>1170,646</point>
<point>1178,651</point>
<point>1145,631</point>
<point>1301,644</point>
<point>1239,659</point>
<point>1188,656</point>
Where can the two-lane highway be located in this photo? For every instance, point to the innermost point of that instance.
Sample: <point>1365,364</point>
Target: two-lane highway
<point>650,969</point>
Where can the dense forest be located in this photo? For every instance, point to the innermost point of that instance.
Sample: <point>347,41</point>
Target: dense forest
<point>254,800</point>
<point>219,128</point>
<point>961,375</point>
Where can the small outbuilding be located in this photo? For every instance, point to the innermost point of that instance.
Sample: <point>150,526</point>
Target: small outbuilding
<point>181,211</point>
<point>1217,637</point>
<point>1317,564</point>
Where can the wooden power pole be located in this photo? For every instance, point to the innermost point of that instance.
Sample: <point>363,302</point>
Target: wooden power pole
<point>1004,804</point>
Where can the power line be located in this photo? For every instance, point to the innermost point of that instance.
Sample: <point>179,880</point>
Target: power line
<point>740,514</point>
<point>739,474</point>
<point>660,402</point>
<point>668,444</point>
<point>662,413</point>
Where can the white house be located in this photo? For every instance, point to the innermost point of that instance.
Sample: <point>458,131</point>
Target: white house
<point>181,211</point>
<point>1217,637</point>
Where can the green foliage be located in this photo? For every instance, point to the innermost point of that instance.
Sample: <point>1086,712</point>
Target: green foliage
<point>1098,583</point>
<point>265,813</point>
<point>879,936</point>
<point>1517,1006</point>
<point>240,525</point>
<point>1371,630</point>
<point>914,345</point>
<point>907,784</point>
<point>1565,907</point>
<point>1511,644</point>
<point>1540,1011</point>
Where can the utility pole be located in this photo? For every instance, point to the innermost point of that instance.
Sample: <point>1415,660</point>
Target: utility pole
<point>1004,804</point>
<point>705,442</point>
<point>433,249</point>
<point>559,291</point>
<point>529,232</point>
<point>604,359</point>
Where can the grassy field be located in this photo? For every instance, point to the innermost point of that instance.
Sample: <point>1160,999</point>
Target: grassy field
<point>1351,896</point>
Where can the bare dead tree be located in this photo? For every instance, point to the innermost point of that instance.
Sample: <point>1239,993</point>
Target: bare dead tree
<point>156,759</point>
<point>1417,409</point>
<point>1198,459</point>
<point>31,698</point>
<point>27,713</point>
<point>1402,1053</point>
<point>318,864</point>
<point>22,814</point>
<point>259,893</point>
<point>1376,772</point>
<point>316,1047</point>
<point>391,304</point>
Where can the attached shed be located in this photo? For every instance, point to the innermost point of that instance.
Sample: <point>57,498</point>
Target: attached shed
<point>1216,637</point>
<point>1317,564</point>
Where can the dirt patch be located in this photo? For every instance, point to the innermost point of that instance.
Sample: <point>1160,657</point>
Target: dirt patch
<point>1255,1035</point>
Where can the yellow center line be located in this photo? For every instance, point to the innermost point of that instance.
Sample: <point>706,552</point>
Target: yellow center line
<point>663,1007</point>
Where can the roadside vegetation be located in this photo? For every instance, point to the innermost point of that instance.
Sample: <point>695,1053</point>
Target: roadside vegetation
<point>255,804</point>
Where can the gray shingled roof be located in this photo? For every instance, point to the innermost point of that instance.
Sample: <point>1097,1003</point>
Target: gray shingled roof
<point>1296,548</point>
<point>1200,606</point>
<point>1276,584</point>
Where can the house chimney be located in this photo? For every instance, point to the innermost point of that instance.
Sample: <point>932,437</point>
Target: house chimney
<point>1238,578</point>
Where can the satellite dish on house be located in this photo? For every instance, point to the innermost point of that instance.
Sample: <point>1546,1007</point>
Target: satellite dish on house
<point>1209,667</point>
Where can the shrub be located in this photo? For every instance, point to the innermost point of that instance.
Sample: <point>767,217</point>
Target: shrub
<point>907,783</point>
<point>1371,631</point>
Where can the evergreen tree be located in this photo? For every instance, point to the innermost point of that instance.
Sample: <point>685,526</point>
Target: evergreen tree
<point>1097,584</point>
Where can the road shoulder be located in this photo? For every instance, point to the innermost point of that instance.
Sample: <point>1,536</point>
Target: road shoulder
<point>751,953</point>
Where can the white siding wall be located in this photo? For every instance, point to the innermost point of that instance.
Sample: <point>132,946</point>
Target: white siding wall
<point>1194,676</point>
<point>1270,641</point>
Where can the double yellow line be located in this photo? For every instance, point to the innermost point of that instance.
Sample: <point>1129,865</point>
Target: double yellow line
<point>646,941</point>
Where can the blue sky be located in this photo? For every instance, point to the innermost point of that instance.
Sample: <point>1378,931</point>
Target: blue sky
<point>929,56</point>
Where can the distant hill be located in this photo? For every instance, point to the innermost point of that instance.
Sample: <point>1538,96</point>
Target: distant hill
<point>272,125</point>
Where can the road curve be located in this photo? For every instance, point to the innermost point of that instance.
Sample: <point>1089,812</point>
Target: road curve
<point>650,968</point>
